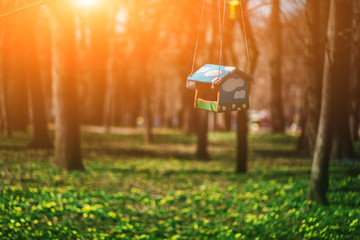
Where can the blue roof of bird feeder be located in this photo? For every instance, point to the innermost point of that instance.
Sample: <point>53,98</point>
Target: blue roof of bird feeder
<point>209,73</point>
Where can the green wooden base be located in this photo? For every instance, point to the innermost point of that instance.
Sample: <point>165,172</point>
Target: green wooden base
<point>206,105</point>
<point>211,106</point>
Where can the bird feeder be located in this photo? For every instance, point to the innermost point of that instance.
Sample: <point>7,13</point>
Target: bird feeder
<point>222,91</point>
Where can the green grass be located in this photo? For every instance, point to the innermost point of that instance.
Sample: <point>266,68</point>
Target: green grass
<point>131,190</point>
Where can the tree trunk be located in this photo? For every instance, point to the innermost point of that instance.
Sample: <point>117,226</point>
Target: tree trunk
<point>135,102</point>
<point>314,59</point>
<point>148,112</point>
<point>355,95</point>
<point>109,89</point>
<point>203,116</point>
<point>3,98</point>
<point>227,117</point>
<point>202,130</point>
<point>242,116</point>
<point>41,137</point>
<point>333,71</point>
<point>242,142</point>
<point>98,58</point>
<point>277,112</point>
<point>343,145</point>
<point>319,180</point>
<point>67,129</point>
<point>188,113</point>
<point>108,101</point>
<point>16,89</point>
<point>230,59</point>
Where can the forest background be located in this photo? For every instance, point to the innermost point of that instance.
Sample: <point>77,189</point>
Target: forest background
<point>118,69</point>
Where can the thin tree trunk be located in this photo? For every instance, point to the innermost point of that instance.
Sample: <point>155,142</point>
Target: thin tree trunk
<point>188,112</point>
<point>227,117</point>
<point>97,23</point>
<point>45,61</point>
<point>109,89</point>
<point>41,137</point>
<point>242,116</point>
<point>313,56</point>
<point>202,121</point>
<point>3,87</point>
<point>302,144</point>
<point>135,103</point>
<point>277,112</point>
<point>343,145</point>
<point>108,102</point>
<point>333,71</point>
<point>355,95</point>
<point>319,180</point>
<point>67,129</point>
<point>148,117</point>
<point>242,142</point>
<point>125,95</point>
<point>202,130</point>
<point>16,91</point>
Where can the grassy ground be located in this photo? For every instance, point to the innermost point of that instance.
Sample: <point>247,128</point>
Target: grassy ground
<point>131,190</point>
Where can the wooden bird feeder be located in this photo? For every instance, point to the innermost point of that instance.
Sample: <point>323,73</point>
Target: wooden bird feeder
<point>222,91</point>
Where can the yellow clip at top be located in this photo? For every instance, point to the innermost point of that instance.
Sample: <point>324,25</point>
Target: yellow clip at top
<point>233,4</point>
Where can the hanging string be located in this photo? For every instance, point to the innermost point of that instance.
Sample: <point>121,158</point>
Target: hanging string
<point>246,40</point>
<point>197,39</point>
<point>32,5</point>
<point>221,26</point>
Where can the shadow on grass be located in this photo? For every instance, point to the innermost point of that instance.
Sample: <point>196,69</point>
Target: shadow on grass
<point>159,138</point>
<point>334,174</point>
<point>25,147</point>
<point>274,153</point>
<point>282,139</point>
<point>14,148</point>
<point>97,139</point>
<point>174,139</point>
<point>280,175</point>
<point>162,173</point>
<point>136,152</point>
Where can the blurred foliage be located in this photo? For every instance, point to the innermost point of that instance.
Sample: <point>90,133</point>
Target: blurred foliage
<point>132,190</point>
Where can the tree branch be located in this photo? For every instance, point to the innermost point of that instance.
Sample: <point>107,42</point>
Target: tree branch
<point>29,6</point>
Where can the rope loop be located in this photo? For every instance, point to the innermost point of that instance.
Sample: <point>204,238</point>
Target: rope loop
<point>197,38</point>
<point>221,27</point>
<point>246,40</point>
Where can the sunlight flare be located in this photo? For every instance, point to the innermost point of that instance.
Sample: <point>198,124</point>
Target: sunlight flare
<point>86,3</point>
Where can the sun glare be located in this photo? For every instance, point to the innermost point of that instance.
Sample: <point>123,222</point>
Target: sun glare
<point>86,3</point>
